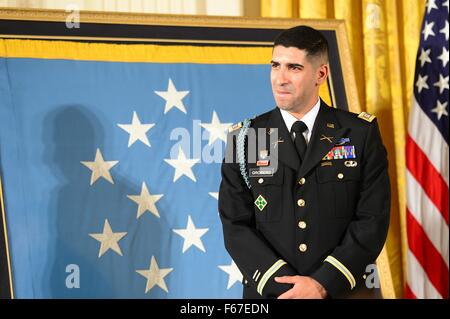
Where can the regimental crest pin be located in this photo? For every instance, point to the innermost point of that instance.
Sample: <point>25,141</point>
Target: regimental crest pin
<point>263,154</point>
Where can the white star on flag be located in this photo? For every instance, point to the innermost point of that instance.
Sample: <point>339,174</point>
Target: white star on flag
<point>214,194</point>
<point>442,84</point>
<point>108,239</point>
<point>431,4</point>
<point>425,57</point>
<point>216,129</point>
<point>444,57</point>
<point>233,272</point>
<point>428,30</point>
<point>173,98</point>
<point>182,165</point>
<point>444,30</point>
<point>440,109</point>
<point>422,82</point>
<point>100,168</point>
<point>191,235</point>
<point>155,275</point>
<point>137,130</point>
<point>146,201</point>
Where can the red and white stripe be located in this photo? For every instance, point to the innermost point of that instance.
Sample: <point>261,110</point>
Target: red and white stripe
<point>427,208</point>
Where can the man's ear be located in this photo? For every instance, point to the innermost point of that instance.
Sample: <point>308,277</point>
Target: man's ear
<point>322,73</point>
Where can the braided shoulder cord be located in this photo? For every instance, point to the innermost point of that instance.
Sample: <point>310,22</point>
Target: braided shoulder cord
<point>240,149</point>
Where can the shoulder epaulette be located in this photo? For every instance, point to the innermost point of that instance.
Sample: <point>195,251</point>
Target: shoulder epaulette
<point>235,127</point>
<point>366,116</point>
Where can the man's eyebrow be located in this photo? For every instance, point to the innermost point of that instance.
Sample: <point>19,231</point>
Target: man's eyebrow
<point>295,65</point>
<point>290,65</point>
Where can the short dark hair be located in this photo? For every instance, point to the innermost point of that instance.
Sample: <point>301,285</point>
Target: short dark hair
<point>304,38</point>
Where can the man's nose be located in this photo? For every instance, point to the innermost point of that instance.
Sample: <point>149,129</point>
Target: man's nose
<point>281,78</point>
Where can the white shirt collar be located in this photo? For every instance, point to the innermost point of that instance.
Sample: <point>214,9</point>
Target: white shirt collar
<point>309,119</point>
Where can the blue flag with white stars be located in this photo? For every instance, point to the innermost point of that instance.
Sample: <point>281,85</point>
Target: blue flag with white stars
<point>111,171</point>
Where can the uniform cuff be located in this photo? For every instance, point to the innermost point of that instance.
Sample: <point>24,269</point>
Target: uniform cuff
<point>334,277</point>
<point>270,288</point>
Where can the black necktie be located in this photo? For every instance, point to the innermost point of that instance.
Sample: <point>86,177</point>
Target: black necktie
<point>300,144</point>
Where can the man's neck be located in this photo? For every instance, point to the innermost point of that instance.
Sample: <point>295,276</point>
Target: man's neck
<point>300,114</point>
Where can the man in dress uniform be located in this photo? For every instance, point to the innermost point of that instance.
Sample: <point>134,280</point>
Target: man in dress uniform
<point>308,226</point>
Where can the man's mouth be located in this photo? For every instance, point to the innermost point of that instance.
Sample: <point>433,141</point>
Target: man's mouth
<point>282,93</point>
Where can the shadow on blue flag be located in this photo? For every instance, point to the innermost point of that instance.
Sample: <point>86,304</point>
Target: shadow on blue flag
<point>111,170</point>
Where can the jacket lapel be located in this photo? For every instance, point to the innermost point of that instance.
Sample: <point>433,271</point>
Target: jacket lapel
<point>283,150</point>
<point>326,133</point>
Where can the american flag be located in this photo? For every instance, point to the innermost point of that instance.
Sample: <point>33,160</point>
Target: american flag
<point>427,161</point>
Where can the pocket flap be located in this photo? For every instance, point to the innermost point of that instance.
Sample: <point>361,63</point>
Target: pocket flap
<point>337,173</point>
<point>263,180</point>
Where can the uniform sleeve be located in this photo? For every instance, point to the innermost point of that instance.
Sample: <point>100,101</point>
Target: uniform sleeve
<point>367,232</point>
<point>251,252</point>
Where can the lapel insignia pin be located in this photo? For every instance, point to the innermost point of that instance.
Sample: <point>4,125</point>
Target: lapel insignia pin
<point>328,138</point>
<point>330,125</point>
<point>275,144</point>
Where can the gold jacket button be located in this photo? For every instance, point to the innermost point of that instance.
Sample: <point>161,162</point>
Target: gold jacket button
<point>340,176</point>
<point>301,202</point>
<point>301,224</point>
<point>302,248</point>
<point>261,180</point>
<point>302,181</point>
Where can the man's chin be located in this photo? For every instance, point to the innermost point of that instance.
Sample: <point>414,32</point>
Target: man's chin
<point>284,107</point>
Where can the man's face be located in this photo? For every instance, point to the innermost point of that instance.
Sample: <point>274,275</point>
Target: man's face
<point>295,79</point>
